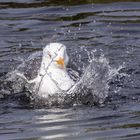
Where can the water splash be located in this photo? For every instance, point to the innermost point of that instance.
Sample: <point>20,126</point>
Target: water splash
<point>92,86</point>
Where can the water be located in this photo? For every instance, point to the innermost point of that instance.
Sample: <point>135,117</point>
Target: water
<point>102,40</point>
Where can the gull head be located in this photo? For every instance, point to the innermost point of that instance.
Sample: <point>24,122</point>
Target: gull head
<point>56,55</point>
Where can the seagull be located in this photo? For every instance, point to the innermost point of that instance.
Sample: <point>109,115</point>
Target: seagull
<point>52,77</point>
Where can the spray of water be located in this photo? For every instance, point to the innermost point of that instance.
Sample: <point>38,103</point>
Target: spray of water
<point>91,87</point>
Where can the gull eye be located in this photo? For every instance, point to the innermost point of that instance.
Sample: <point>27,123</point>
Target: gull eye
<point>49,54</point>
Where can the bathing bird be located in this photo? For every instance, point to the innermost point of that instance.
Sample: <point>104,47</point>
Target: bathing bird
<point>52,77</point>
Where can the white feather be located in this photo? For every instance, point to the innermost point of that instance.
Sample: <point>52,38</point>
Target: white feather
<point>52,78</point>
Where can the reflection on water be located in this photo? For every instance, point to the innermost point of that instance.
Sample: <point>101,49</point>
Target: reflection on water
<point>75,123</point>
<point>87,28</point>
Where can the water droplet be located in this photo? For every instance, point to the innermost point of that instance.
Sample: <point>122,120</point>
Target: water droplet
<point>20,45</point>
<point>67,9</point>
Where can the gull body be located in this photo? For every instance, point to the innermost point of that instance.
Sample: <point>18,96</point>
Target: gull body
<point>55,81</point>
<point>53,77</point>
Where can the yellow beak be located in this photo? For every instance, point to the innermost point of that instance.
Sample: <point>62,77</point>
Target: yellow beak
<point>60,62</point>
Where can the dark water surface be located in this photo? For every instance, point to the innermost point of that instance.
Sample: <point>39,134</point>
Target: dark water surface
<point>108,28</point>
